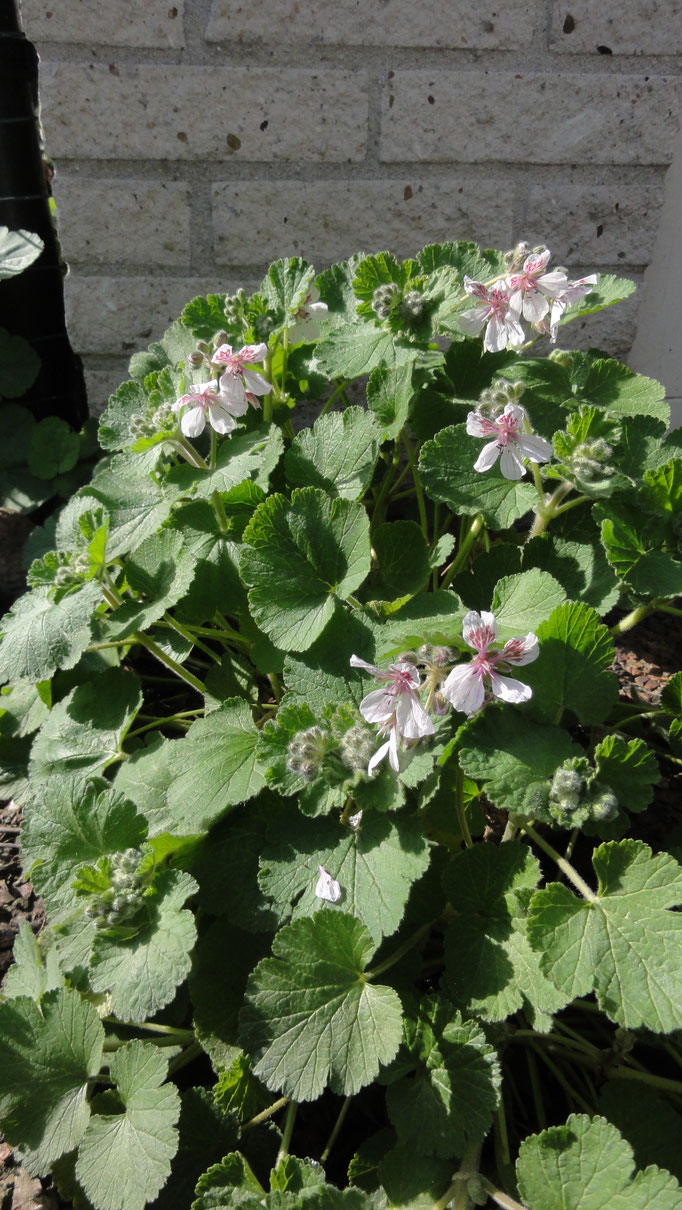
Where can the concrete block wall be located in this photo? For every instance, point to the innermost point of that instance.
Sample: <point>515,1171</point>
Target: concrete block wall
<point>196,140</point>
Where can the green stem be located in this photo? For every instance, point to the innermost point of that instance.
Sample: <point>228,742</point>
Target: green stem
<point>464,548</point>
<point>192,1052</point>
<point>461,813</point>
<point>500,1198</point>
<point>335,1132</point>
<point>182,445</point>
<point>547,509</point>
<point>565,866</point>
<point>348,810</point>
<point>569,1090</point>
<point>677,613</point>
<point>337,391</point>
<point>178,1035</point>
<point>419,492</point>
<point>266,1113</point>
<point>190,638</point>
<point>564,508</point>
<point>536,1089</point>
<point>511,828</point>
<point>662,1082</point>
<point>287,1133</point>
<point>220,513</point>
<point>502,1133</point>
<point>275,685</point>
<point>398,954</point>
<point>388,481</point>
<point>631,619</point>
<point>268,399</point>
<point>214,450</point>
<point>164,722</point>
<point>154,649</point>
<point>571,844</point>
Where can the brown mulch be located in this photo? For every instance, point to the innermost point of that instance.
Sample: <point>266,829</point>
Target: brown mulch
<point>646,658</point>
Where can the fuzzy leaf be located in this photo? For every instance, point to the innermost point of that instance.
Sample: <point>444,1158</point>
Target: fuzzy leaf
<point>624,944</point>
<point>629,769</point>
<point>587,1165</point>
<point>48,1055</point>
<point>73,825</point>
<point>142,973</point>
<point>375,865</point>
<point>447,470</point>
<point>312,549</point>
<point>581,567</point>
<point>214,767</point>
<point>125,1158</point>
<point>337,454</point>
<point>160,572</point>
<point>137,505</point>
<point>403,562</point>
<point>84,732</point>
<point>40,635</point>
<point>312,1017</point>
<point>450,1096</point>
<point>523,601</point>
<point>489,967</point>
<point>516,758</point>
<point>571,671</point>
<point>287,286</point>
<point>33,971</point>
<point>389,391</point>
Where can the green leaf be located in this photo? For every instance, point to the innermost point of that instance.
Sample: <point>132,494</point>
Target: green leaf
<point>84,732</point>
<point>610,384</point>
<point>214,767</point>
<point>40,635</point>
<point>313,549</point>
<point>54,448</point>
<point>128,401</point>
<point>33,971</point>
<point>49,1053</point>
<point>142,972</point>
<point>145,778</point>
<point>451,1094</point>
<point>374,864</point>
<point>624,944</point>
<point>353,349</point>
<point>137,505</point>
<point>125,1158</point>
<point>160,572</point>
<point>286,287</point>
<point>587,1165</point>
<point>389,391</point>
<point>323,674</point>
<point>311,1015</point>
<point>215,552</point>
<point>207,1133</point>
<point>402,558</point>
<point>629,769</point>
<point>633,545</point>
<point>581,567</point>
<point>571,671</point>
<point>516,758</point>
<point>521,602</point>
<point>251,454</point>
<point>490,969</point>
<point>175,345</point>
<point>74,825</point>
<point>204,316</point>
<point>227,869</point>
<point>608,290</point>
<point>662,490</point>
<point>337,454</point>
<point>24,707</point>
<point>446,466</point>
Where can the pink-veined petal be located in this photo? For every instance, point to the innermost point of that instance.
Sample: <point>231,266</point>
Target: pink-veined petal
<point>378,756</point>
<point>521,650</point>
<point>232,390</point>
<point>479,630</point>
<point>536,262</point>
<point>511,463</point>
<point>193,422</point>
<point>552,284</point>
<point>378,706</point>
<point>356,662</point>
<point>495,335</point>
<point>480,426</point>
<point>411,718</point>
<point>535,448</point>
<point>535,306</point>
<point>471,321</point>
<point>463,689</point>
<point>221,420</point>
<point>476,288</point>
<point>487,457</point>
<point>255,383</point>
<point>222,355</point>
<point>510,690</point>
<point>515,333</point>
<point>252,353</point>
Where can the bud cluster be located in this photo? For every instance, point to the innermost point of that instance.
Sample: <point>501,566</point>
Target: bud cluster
<point>386,299</point>
<point>498,396</point>
<point>155,420</point>
<point>307,751</point>
<point>345,743</point>
<point>389,302</point>
<point>589,460</point>
<point>575,796</point>
<point>121,901</point>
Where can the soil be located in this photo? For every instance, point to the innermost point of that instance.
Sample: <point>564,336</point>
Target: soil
<point>646,658</point>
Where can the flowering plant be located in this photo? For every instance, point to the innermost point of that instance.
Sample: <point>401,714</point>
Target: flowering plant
<point>319,881</point>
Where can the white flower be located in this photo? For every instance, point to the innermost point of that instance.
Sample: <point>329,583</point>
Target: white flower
<point>240,384</point>
<point>308,318</point>
<point>573,293</point>
<point>465,687</point>
<point>531,287</point>
<point>327,887</point>
<point>396,708</point>
<point>207,399</point>
<point>496,310</point>
<point>511,444</point>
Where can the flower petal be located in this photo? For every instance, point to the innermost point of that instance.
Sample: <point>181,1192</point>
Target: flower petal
<point>193,422</point>
<point>378,706</point>
<point>327,887</point>
<point>479,630</point>
<point>480,426</point>
<point>522,650</point>
<point>256,383</point>
<point>511,464</point>
<point>487,457</point>
<point>411,718</point>
<point>471,321</point>
<point>510,690</point>
<point>535,448</point>
<point>378,757</point>
<point>463,688</point>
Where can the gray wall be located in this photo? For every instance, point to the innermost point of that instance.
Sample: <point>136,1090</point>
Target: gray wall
<point>194,141</point>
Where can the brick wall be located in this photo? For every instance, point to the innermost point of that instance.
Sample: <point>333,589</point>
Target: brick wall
<point>196,141</point>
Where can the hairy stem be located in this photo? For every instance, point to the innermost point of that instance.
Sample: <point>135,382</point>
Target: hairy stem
<point>287,1132</point>
<point>399,952</point>
<point>464,548</point>
<point>564,865</point>
<point>500,1198</point>
<point>266,1113</point>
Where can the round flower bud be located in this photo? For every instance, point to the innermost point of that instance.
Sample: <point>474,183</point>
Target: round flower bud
<point>604,807</point>
<point>196,359</point>
<point>220,338</point>
<point>357,747</point>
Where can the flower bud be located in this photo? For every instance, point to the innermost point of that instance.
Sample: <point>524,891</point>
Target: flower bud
<point>605,806</point>
<point>357,747</point>
<point>412,305</point>
<point>196,359</point>
<point>220,338</point>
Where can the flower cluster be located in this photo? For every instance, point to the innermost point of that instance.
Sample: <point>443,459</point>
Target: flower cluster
<point>527,293</point>
<point>396,707</point>
<point>220,401</point>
